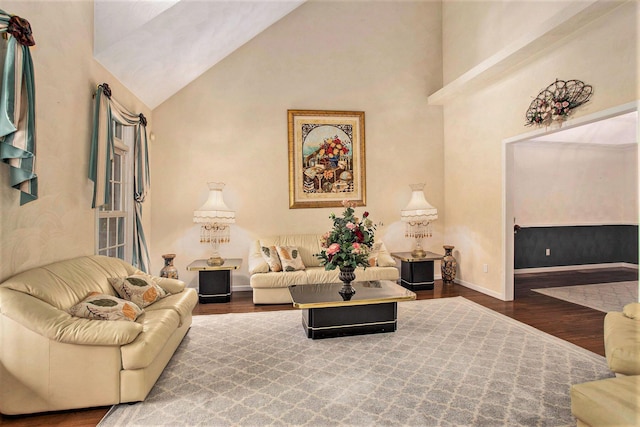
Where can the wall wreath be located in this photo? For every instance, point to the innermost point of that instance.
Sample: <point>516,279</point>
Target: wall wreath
<point>556,102</point>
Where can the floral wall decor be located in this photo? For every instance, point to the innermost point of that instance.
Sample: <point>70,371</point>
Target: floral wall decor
<point>556,102</point>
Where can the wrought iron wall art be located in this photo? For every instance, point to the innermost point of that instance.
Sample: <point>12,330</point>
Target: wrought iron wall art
<point>556,102</point>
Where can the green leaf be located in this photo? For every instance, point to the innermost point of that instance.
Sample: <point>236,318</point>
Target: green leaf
<point>137,282</point>
<point>294,254</point>
<point>266,251</point>
<point>103,302</point>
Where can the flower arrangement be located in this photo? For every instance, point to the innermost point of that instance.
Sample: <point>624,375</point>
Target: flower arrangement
<point>331,150</point>
<point>349,242</point>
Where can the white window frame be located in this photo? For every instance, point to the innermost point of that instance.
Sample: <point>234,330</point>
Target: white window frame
<point>123,139</point>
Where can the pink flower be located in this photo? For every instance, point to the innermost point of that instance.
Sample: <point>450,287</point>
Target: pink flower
<point>325,239</point>
<point>356,248</point>
<point>351,226</point>
<point>333,249</point>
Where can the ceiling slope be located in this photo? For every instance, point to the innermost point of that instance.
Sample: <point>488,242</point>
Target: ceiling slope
<point>155,48</point>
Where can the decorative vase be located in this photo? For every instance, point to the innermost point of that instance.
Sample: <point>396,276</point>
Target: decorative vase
<point>169,270</point>
<point>448,265</point>
<point>346,277</point>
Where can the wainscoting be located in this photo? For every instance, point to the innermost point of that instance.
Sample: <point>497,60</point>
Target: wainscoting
<point>575,245</point>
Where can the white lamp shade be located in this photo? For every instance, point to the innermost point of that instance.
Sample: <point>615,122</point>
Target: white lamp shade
<point>214,210</point>
<point>418,209</point>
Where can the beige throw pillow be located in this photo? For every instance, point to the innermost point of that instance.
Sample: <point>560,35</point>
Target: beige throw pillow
<point>373,254</point>
<point>270,255</point>
<point>140,290</point>
<point>290,258</point>
<point>99,306</point>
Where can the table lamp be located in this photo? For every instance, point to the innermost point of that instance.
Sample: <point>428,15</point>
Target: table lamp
<point>417,216</point>
<point>214,217</point>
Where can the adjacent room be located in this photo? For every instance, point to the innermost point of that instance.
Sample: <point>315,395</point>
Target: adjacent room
<point>319,212</point>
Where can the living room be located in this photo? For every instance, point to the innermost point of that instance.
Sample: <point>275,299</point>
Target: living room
<point>418,69</point>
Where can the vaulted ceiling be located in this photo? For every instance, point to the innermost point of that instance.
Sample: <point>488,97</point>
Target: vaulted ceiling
<point>155,48</point>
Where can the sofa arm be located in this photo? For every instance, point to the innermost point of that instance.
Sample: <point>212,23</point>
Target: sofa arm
<point>55,324</point>
<point>257,264</point>
<point>173,286</point>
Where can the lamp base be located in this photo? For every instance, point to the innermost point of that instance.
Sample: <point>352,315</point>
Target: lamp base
<point>215,261</point>
<point>418,253</point>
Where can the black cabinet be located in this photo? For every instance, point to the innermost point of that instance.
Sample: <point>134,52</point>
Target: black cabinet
<point>214,281</point>
<point>416,273</point>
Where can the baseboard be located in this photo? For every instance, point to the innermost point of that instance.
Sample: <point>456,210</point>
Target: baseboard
<point>480,289</point>
<point>241,288</point>
<point>574,267</point>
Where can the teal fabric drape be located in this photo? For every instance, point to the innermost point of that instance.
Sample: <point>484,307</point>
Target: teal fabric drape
<point>107,109</point>
<point>17,107</point>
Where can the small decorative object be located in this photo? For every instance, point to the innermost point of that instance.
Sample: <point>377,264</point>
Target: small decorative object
<point>418,216</point>
<point>169,270</point>
<point>556,102</point>
<point>215,217</point>
<point>448,265</point>
<point>347,246</point>
<point>326,158</point>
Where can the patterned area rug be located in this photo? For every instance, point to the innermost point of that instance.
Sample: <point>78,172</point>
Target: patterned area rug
<point>450,363</point>
<point>602,296</point>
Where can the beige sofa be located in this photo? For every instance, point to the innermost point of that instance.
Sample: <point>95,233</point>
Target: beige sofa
<point>272,287</point>
<point>50,360</point>
<point>614,401</point>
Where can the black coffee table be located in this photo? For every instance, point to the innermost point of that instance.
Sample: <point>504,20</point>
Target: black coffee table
<point>373,308</point>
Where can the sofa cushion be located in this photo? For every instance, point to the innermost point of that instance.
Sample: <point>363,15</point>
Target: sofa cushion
<point>139,289</point>
<point>158,326</point>
<point>290,258</point>
<point>307,244</point>
<point>99,306</point>
<point>271,257</point>
<point>278,280</point>
<point>63,284</point>
<point>182,303</point>
<point>608,402</point>
<point>320,275</point>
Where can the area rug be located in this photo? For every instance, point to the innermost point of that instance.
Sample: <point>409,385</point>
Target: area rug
<point>601,296</point>
<point>450,363</point>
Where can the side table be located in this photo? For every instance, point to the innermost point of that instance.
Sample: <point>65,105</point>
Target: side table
<point>416,273</point>
<point>214,281</point>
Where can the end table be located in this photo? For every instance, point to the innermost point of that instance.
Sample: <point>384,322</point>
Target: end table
<point>214,281</point>
<point>416,273</point>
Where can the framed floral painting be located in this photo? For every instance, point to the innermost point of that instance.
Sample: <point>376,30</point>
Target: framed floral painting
<point>326,158</point>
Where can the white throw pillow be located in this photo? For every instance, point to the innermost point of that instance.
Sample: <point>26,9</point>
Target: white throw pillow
<point>97,306</point>
<point>270,255</point>
<point>140,290</point>
<point>290,258</point>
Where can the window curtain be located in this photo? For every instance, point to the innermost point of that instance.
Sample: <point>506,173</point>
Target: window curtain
<point>17,107</point>
<point>107,109</point>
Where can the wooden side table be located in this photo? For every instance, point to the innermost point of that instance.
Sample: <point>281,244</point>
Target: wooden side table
<point>416,273</point>
<point>214,281</point>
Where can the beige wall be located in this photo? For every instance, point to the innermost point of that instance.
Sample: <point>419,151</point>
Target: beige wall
<point>602,54</point>
<point>60,224</point>
<point>230,125</point>
<point>574,184</point>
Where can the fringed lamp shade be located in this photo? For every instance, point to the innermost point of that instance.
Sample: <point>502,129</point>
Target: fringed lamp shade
<point>418,216</point>
<point>214,217</point>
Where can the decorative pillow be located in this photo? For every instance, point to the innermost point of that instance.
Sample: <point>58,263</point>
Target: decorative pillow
<point>270,255</point>
<point>99,306</point>
<point>140,290</point>
<point>290,258</point>
<point>373,254</point>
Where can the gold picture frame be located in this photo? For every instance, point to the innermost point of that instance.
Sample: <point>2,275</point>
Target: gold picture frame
<point>326,158</point>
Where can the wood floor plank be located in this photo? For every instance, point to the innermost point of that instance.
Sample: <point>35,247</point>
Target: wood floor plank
<point>579,325</point>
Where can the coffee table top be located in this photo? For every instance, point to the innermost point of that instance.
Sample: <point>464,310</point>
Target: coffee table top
<point>369,292</point>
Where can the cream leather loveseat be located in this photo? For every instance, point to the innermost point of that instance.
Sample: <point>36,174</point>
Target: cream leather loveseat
<point>51,360</point>
<point>271,287</point>
<point>614,401</point>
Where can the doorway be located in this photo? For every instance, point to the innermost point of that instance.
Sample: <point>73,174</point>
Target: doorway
<point>599,128</point>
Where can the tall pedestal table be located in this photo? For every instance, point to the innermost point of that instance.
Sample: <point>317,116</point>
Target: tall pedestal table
<point>214,281</point>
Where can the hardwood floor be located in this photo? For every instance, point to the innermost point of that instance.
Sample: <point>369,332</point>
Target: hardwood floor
<point>577,324</point>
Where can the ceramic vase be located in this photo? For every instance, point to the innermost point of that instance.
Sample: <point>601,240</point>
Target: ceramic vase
<point>448,266</point>
<point>169,270</point>
<point>346,277</point>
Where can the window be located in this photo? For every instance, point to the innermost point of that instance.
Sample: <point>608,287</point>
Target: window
<point>115,219</point>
